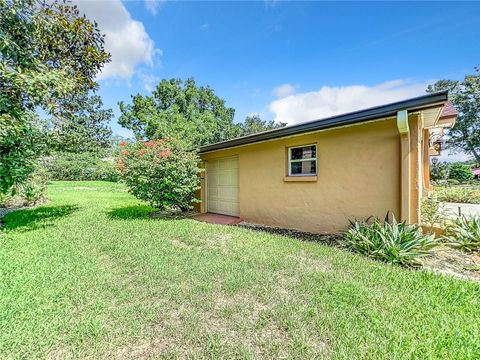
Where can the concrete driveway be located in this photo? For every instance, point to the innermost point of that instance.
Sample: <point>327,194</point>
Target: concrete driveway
<point>465,209</point>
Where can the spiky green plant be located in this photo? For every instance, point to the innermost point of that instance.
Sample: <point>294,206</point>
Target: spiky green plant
<point>390,241</point>
<point>464,233</point>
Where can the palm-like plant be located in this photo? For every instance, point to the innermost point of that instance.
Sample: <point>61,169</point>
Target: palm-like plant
<point>390,241</point>
<point>464,233</point>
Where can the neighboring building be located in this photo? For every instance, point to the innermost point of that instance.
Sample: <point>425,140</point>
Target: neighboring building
<point>315,176</point>
<point>476,173</point>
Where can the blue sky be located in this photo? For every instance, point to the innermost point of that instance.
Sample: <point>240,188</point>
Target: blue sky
<point>289,61</point>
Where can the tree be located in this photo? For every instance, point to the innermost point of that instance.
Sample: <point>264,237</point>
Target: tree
<point>47,51</point>
<point>254,124</point>
<point>81,125</point>
<point>465,95</point>
<point>180,110</point>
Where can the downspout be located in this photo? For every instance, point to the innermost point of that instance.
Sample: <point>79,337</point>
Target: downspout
<point>405,196</point>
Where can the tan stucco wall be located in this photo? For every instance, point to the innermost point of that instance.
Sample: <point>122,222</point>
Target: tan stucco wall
<point>358,176</point>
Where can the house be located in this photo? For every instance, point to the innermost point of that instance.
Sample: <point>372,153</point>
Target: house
<point>317,175</point>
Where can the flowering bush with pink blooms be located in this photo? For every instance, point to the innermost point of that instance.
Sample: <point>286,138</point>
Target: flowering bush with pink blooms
<point>161,172</point>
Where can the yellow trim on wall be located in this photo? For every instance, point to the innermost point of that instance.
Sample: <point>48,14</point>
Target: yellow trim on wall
<point>300,178</point>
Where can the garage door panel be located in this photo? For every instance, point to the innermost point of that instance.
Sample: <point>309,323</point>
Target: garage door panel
<point>223,186</point>
<point>212,181</point>
<point>223,207</point>
<point>227,164</point>
<point>212,192</point>
<point>229,193</point>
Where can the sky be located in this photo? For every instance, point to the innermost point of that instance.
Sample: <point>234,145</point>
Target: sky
<point>286,61</point>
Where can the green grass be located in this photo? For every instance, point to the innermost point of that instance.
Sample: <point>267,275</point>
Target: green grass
<point>89,274</point>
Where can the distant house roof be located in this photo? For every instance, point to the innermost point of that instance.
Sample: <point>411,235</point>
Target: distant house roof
<point>356,117</point>
<point>449,110</point>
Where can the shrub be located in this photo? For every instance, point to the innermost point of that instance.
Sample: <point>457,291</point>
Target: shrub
<point>390,241</point>
<point>5,199</point>
<point>83,166</point>
<point>458,194</point>
<point>161,172</point>
<point>438,170</point>
<point>460,172</point>
<point>33,191</point>
<point>28,193</point>
<point>433,212</point>
<point>464,233</point>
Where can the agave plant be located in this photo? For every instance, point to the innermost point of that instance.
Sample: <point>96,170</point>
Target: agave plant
<point>464,233</point>
<point>390,241</point>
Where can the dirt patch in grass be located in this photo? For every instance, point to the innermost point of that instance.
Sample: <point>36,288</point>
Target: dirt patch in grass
<point>219,242</point>
<point>164,338</point>
<point>455,263</point>
<point>308,262</point>
<point>244,319</point>
<point>258,320</point>
<point>212,242</point>
<point>180,243</point>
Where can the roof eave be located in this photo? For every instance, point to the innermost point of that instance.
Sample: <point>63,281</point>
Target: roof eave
<point>384,111</point>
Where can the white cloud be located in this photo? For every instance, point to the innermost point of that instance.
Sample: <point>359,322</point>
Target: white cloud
<point>150,81</point>
<point>126,133</point>
<point>284,90</point>
<point>153,6</point>
<point>270,3</point>
<point>125,39</point>
<point>329,101</point>
<point>205,27</point>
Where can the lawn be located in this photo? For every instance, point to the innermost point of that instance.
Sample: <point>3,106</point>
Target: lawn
<point>90,274</point>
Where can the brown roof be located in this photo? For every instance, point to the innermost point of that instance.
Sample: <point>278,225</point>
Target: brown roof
<point>449,110</point>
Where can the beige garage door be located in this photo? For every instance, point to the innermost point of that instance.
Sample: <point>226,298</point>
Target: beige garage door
<point>222,186</point>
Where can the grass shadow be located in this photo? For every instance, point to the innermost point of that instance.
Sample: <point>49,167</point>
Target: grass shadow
<point>131,212</point>
<point>30,219</point>
<point>147,212</point>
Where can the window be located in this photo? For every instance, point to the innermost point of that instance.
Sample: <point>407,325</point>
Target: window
<point>302,160</point>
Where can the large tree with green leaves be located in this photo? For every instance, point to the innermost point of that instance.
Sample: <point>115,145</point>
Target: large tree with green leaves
<point>81,125</point>
<point>254,124</point>
<point>465,95</point>
<point>48,51</point>
<point>180,110</point>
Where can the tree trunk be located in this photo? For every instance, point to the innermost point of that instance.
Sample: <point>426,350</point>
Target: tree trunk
<point>476,155</point>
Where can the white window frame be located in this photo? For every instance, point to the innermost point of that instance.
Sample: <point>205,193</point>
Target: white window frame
<point>301,160</point>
